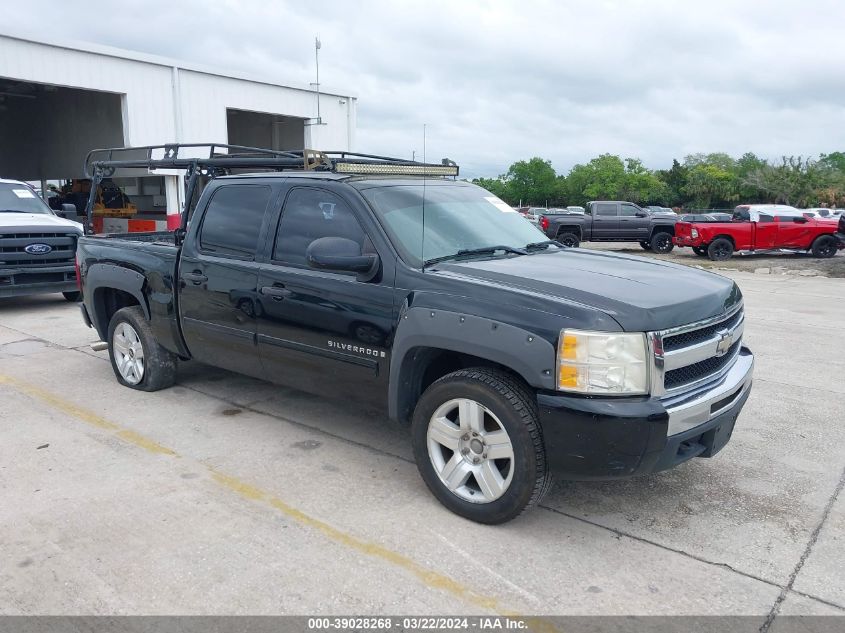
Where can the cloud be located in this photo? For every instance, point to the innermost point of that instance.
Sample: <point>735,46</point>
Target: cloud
<point>499,81</point>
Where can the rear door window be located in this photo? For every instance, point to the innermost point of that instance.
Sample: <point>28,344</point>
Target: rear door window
<point>605,209</point>
<point>232,221</point>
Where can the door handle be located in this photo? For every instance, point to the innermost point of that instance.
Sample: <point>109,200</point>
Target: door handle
<point>276,292</point>
<point>195,277</point>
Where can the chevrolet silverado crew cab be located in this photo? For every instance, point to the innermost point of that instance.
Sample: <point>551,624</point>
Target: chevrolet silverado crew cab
<point>386,284</point>
<point>36,246</point>
<point>759,228</point>
<point>613,221</point>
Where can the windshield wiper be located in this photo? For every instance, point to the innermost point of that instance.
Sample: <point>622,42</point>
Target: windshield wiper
<point>544,244</point>
<point>484,250</point>
<point>14,211</point>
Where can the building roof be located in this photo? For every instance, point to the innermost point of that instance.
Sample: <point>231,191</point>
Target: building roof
<point>157,60</point>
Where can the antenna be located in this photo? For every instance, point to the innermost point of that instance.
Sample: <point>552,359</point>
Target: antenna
<point>317,46</point>
<point>422,241</point>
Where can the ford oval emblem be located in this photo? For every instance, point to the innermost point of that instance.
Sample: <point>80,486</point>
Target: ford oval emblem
<point>38,249</point>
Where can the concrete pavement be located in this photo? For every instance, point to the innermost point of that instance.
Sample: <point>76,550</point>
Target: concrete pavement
<point>228,495</point>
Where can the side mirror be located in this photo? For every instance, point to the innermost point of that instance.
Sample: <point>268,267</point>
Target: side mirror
<point>641,214</point>
<point>342,255</point>
<point>66,210</point>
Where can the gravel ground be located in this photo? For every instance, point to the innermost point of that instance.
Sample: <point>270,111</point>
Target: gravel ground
<point>771,263</point>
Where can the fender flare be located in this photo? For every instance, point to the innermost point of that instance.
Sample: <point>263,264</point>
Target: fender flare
<point>101,276</point>
<point>527,354</point>
<point>574,228</point>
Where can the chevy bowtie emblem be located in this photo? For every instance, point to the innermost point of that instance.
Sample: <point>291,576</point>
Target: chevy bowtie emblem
<point>726,340</point>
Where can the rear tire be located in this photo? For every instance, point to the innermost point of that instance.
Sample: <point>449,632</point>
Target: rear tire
<point>824,246</point>
<point>137,359</point>
<point>459,423</point>
<point>73,297</point>
<point>569,239</point>
<point>720,249</point>
<point>662,243</point>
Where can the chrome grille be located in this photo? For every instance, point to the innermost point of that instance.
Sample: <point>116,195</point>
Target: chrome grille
<point>684,339</point>
<point>13,253</point>
<point>694,372</point>
<point>693,355</point>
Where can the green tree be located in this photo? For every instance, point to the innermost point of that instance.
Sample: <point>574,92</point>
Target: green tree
<point>532,182</point>
<point>709,186</point>
<point>641,185</point>
<point>496,186</point>
<point>675,180</point>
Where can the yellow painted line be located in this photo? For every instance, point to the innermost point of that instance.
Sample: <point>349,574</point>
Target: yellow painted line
<point>89,417</point>
<point>427,576</point>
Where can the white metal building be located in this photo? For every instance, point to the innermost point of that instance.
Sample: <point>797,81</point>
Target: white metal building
<point>58,100</point>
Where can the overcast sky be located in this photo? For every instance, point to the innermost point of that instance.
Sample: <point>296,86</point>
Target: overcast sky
<point>500,81</point>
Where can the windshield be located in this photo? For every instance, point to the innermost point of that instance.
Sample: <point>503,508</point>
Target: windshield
<point>457,217</point>
<point>15,198</point>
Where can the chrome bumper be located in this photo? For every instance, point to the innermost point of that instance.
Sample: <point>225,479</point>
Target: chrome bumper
<point>689,410</point>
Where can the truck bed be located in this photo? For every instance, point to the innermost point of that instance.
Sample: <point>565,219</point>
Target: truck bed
<point>157,237</point>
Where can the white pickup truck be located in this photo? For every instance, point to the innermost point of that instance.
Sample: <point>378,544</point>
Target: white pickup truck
<point>37,247</point>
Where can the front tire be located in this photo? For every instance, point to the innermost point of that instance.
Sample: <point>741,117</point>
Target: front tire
<point>73,297</point>
<point>662,243</point>
<point>824,246</point>
<point>478,445</point>
<point>137,359</point>
<point>720,249</point>
<point>700,251</point>
<point>645,246</point>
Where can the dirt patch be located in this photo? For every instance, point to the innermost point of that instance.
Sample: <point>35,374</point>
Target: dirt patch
<point>798,264</point>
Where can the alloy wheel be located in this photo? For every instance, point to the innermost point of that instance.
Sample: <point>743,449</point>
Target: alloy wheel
<point>128,353</point>
<point>470,450</point>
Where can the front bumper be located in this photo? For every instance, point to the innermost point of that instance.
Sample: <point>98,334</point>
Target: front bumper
<point>604,438</point>
<point>17,282</point>
<point>840,239</point>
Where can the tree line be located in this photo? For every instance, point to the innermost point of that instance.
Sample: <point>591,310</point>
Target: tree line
<point>700,181</point>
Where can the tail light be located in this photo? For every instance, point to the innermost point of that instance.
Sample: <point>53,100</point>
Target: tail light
<point>544,222</point>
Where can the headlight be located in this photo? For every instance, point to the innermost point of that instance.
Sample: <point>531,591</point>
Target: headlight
<point>602,363</point>
<point>694,233</point>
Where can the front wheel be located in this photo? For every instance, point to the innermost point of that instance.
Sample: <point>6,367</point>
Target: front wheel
<point>73,297</point>
<point>824,246</point>
<point>478,445</point>
<point>645,246</point>
<point>662,243</point>
<point>700,251</point>
<point>137,359</point>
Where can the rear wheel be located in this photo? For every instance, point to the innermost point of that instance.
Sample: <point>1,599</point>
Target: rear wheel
<point>137,359</point>
<point>72,296</point>
<point>569,239</point>
<point>701,251</point>
<point>662,243</point>
<point>824,246</point>
<point>478,445</point>
<point>720,249</point>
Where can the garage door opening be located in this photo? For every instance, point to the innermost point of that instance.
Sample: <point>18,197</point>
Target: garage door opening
<point>268,131</point>
<point>47,130</point>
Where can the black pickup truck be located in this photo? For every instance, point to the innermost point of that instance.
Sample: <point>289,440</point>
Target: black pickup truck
<point>508,356</point>
<point>613,221</point>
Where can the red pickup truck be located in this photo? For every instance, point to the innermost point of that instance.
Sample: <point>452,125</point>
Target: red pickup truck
<point>762,227</point>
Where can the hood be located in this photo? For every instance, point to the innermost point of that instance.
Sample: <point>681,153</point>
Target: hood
<point>641,294</point>
<point>36,222</point>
